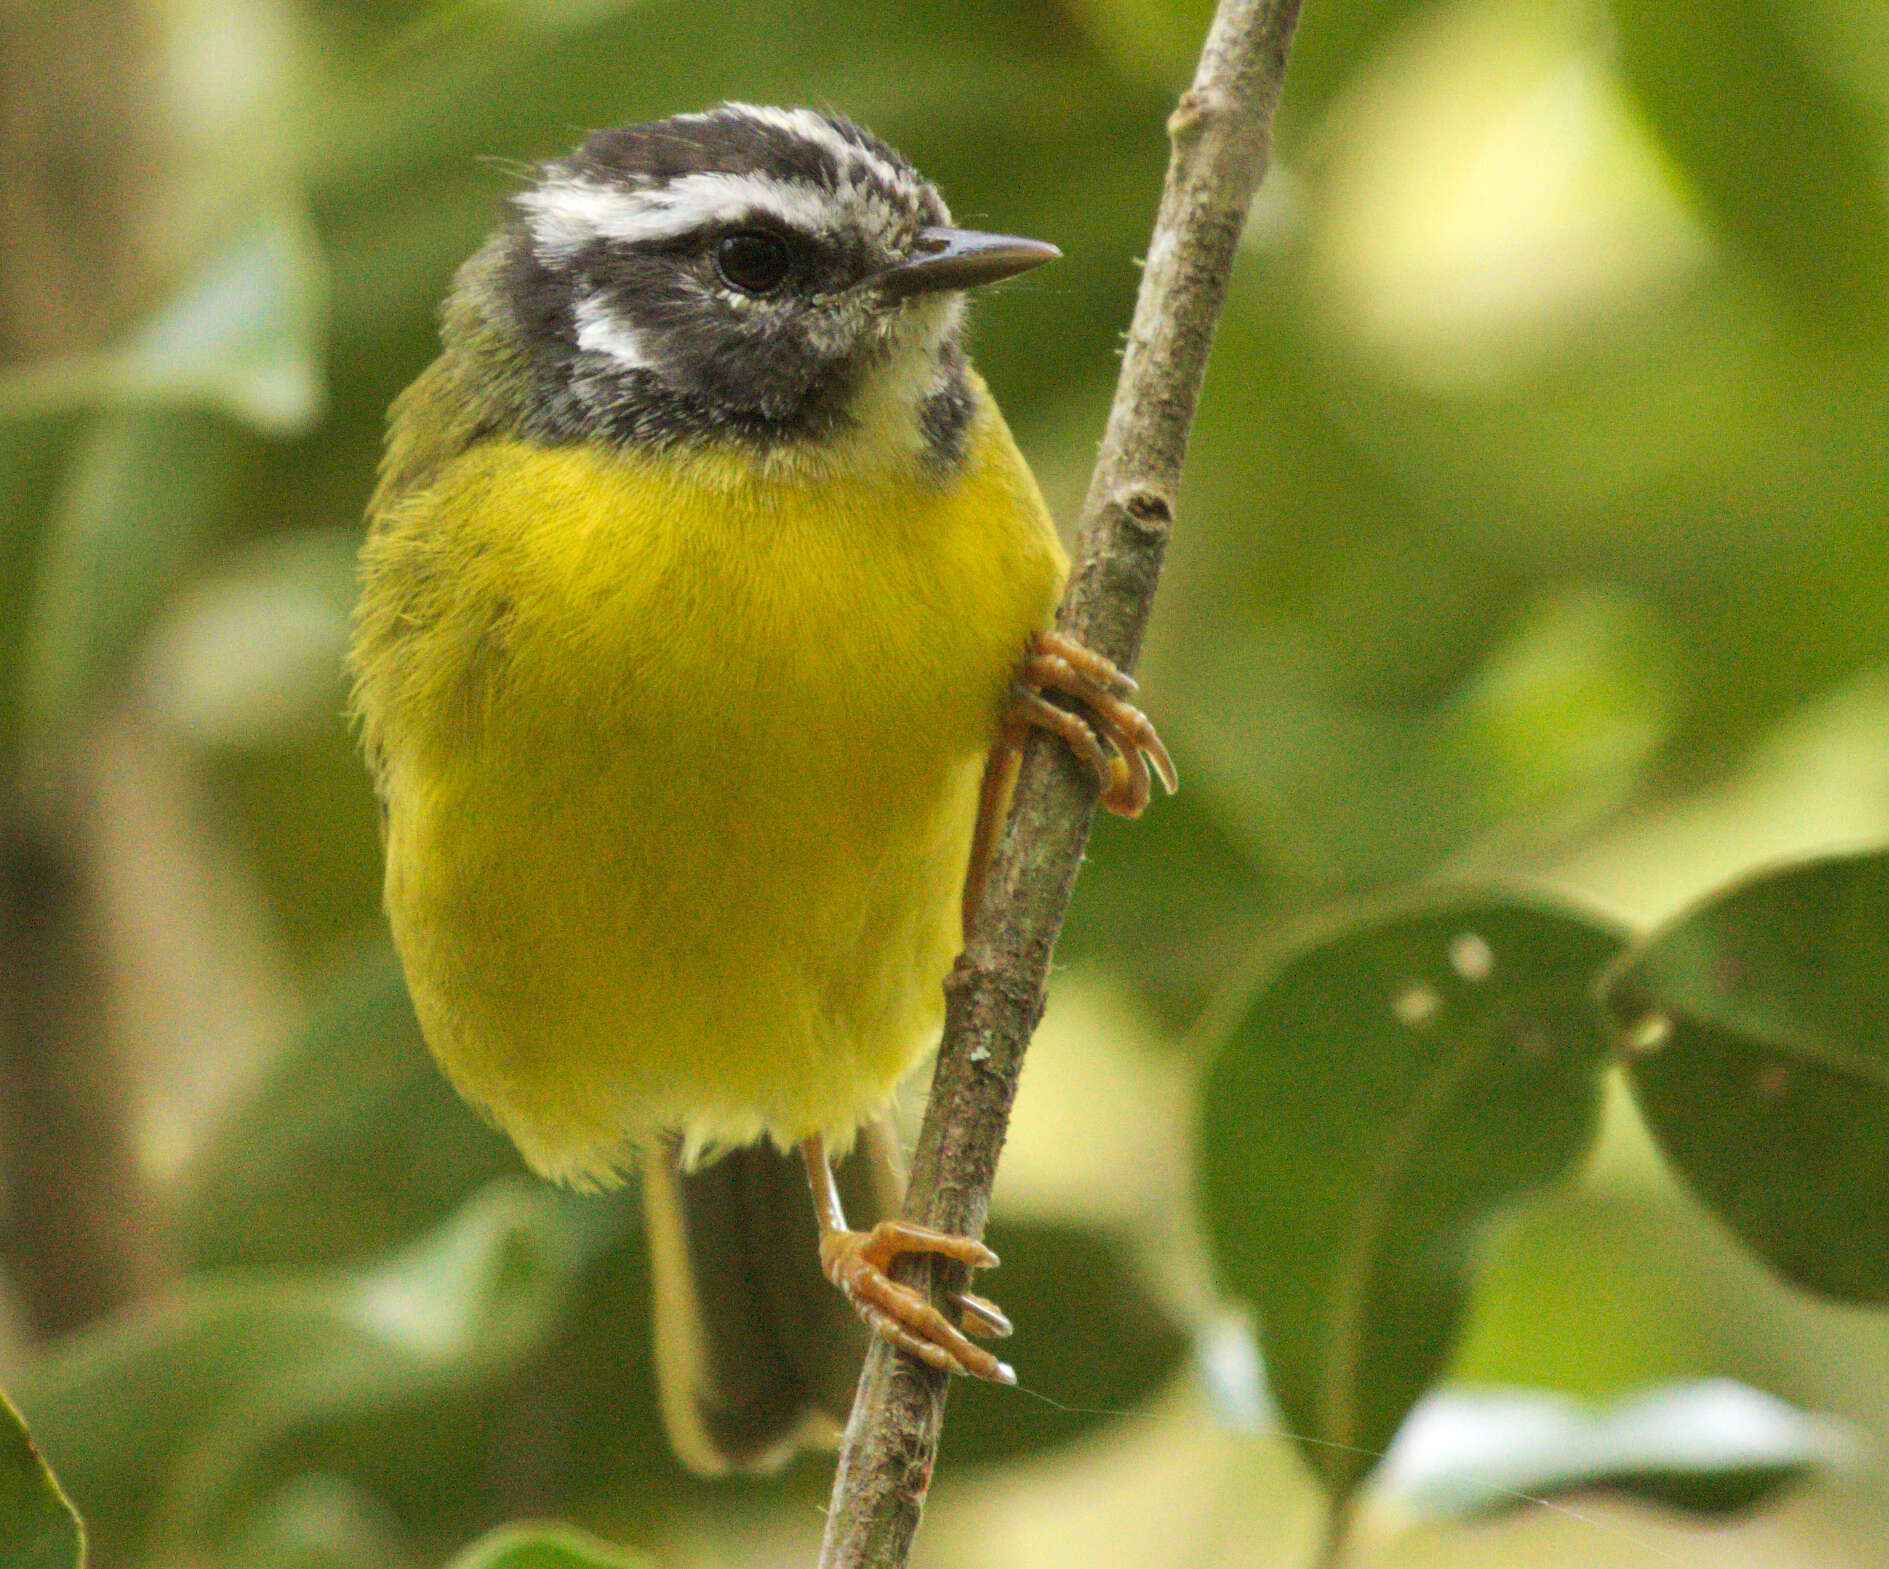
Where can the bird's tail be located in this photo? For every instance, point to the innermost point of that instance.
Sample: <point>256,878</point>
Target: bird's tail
<point>757,1353</point>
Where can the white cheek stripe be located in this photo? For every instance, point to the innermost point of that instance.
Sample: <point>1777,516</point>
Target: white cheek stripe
<point>599,332</point>
<point>567,215</point>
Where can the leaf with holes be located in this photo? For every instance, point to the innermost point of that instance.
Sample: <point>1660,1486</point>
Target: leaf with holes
<point>1758,1033</point>
<point>1386,1095</point>
<point>38,1529</point>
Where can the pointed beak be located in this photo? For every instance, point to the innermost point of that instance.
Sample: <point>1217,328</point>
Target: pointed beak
<point>960,259</point>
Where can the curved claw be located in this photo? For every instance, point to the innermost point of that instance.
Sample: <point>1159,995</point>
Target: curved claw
<point>1116,739</point>
<point>981,1316</point>
<point>856,1262</point>
<point>1031,709</point>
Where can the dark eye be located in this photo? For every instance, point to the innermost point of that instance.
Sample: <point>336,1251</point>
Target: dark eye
<point>752,261</point>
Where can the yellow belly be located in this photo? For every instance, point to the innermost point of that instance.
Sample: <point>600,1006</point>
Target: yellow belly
<point>680,759</point>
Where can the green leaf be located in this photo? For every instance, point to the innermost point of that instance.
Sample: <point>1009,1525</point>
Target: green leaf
<point>1708,1448</point>
<point>1787,166</point>
<point>1386,1094</point>
<point>546,1547</point>
<point>143,492</point>
<point>1170,901</point>
<point>1758,1036</point>
<point>242,336</point>
<point>38,1527</point>
<point>354,1142</point>
<point>34,455</point>
<point>567,1427</point>
<point>1092,1341</point>
<point>171,1425</point>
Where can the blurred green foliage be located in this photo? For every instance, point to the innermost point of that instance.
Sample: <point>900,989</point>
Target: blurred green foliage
<point>1533,537</point>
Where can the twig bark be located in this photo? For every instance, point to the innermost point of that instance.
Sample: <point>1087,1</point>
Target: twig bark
<point>1221,144</point>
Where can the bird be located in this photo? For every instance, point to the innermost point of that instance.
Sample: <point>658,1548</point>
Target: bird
<point>705,602</point>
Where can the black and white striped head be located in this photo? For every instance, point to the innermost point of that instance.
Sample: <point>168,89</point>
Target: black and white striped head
<point>767,275</point>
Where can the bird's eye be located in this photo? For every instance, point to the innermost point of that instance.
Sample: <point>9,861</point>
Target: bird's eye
<point>753,261</point>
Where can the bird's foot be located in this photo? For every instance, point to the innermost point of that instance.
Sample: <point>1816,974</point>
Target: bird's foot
<point>1103,729</point>
<point>857,1261</point>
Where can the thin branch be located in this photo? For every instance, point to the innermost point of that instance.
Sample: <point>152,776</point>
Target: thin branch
<point>1221,143</point>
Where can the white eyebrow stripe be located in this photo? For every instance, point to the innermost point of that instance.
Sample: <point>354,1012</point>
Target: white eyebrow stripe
<point>566,215</point>
<point>599,332</point>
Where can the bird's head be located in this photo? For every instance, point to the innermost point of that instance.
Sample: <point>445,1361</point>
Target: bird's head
<point>752,274</point>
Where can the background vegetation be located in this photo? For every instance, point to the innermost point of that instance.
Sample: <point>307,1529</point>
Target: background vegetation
<point>1532,567</point>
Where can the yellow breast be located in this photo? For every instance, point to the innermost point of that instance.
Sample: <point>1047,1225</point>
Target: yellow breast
<point>680,757</point>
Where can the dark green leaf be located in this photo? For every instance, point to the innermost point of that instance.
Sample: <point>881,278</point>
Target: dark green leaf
<point>354,1142</point>
<point>1092,1343</point>
<point>1170,901</point>
<point>1785,164</point>
<point>1758,1034</point>
<point>1385,1095</point>
<point>568,1428</point>
<point>546,1547</point>
<point>38,1528</point>
<point>1711,1448</point>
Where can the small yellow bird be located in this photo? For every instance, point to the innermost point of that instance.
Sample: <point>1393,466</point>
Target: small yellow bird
<point>704,601</point>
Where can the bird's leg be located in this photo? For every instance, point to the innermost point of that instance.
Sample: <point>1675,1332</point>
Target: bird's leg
<point>1119,744</point>
<point>857,1261</point>
<point>976,1315</point>
<point>1109,733</point>
<point>1100,726</point>
<point>993,800</point>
